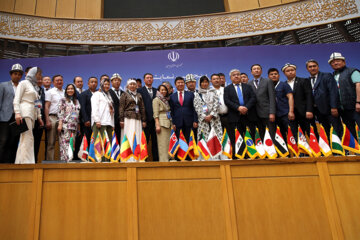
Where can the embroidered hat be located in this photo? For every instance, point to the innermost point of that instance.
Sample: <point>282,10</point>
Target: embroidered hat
<point>336,55</point>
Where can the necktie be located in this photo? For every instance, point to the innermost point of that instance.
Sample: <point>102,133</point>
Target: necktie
<point>257,82</point>
<point>181,100</point>
<point>240,96</point>
<point>150,92</point>
<point>312,81</point>
<point>117,93</point>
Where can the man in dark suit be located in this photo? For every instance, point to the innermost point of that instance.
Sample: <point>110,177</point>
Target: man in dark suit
<point>8,140</point>
<point>115,93</point>
<point>326,98</point>
<point>265,101</point>
<point>148,93</point>
<point>303,100</point>
<point>182,108</point>
<point>240,100</point>
<point>85,103</point>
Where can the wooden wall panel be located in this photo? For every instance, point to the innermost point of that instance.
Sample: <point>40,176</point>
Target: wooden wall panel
<point>7,5</point>
<point>347,194</point>
<point>289,1</point>
<point>181,209</point>
<point>84,210</point>
<point>178,173</point>
<point>85,174</point>
<point>89,9</point>
<point>16,175</point>
<point>25,6</point>
<point>280,208</point>
<point>45,8</point>
<point>65,9</point>
<point>269,3</point>
<point>242,5</point>
<point>15,211</point>
<point>305,169</point>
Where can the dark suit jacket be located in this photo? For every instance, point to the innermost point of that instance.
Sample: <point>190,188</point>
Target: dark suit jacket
<point>232,102</point>
<point>116,101</point>
<point>147,102</point>
<point>303,98</point>
<point>265,97</point>
<point>184,115</point>
<point>325,92</point>
<point>6,101</point>
<point>42,98</point>
<point>85,103</point>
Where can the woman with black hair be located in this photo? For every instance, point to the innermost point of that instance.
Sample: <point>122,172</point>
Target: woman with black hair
<point>161,109</point>
<point>68,115</point>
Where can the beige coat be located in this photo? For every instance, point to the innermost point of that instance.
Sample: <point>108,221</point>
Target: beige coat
<point>160,109</point>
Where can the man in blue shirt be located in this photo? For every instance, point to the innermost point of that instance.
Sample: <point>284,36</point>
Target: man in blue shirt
<point>284,102</point>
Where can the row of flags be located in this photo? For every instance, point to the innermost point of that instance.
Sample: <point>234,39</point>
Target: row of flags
<point>101,147</point>
<point>212,147</point>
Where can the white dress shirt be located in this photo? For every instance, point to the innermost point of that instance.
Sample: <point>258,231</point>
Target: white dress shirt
<point>291,83</point>
<point>223,108</point>
<point>54,95</point>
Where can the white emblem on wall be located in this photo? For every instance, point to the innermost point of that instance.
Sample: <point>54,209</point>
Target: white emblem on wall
<point>173,56</point>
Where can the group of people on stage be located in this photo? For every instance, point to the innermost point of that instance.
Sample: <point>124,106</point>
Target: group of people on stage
<point>263,102</point>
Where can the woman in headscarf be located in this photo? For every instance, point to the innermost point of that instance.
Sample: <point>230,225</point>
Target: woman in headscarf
<point>132,113</point>
<point>27,105</point>
<point>102,112</point>
<point>68,115</point>
<point>161,109</point>
<point>206,104</point>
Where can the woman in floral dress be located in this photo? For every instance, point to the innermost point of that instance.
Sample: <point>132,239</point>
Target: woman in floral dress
<point>206,104</point>
<point>68,115</point>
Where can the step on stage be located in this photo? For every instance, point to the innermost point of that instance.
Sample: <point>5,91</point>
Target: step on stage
<point>303,198</point>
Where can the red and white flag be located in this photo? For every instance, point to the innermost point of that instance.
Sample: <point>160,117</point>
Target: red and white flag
<point>269,145</point>
<point>213,144</point>
<point>83,151</point>
<point>314,145</point>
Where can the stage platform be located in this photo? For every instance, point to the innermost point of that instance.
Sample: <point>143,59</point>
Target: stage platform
<point>290,198</point>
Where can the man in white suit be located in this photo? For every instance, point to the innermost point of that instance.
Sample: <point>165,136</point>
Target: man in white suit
<point>8,140</point>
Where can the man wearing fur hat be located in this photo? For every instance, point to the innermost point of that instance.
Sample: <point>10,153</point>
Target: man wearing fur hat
<point>8,140</point>
<point>348,83</point>
<point>303,100</point>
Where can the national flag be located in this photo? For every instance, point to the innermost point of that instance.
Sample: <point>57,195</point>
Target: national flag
<point>205,153</point>
<point>136,149</point>
<point>280,144</point>
<point>250,146</point>
<point>115,149</point>
<point>83,151</point>
<point>193,149</point>
<point>183,148</point>
<point>357,132</point>
<point>71,147</point>
<point>291,142</point>
<point>240,146</point>
<point>349,142</point>
<point>259,145</point>
<point>269,145</point>
<point>335,142</point>
<point>323,142</point>
<point>213,144</point>
<point>143,148</point>
<point>92,156</point>
<point>125,150</point>
<point>313,143</point>
<point>107,145</point>
<point>173,144</point>
<point>99,147</point>
<point>302,142</point>
<point>226,145</point>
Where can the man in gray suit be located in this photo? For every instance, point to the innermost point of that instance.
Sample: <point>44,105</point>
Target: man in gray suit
<point>265,104</point>
<point>8,140</point>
